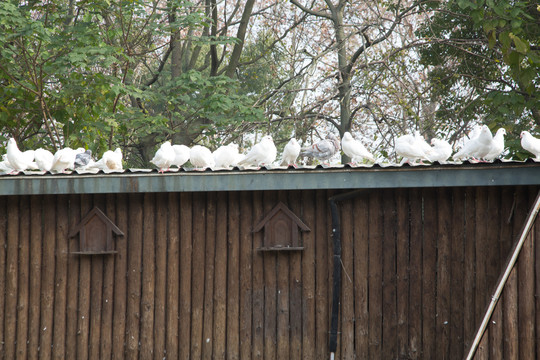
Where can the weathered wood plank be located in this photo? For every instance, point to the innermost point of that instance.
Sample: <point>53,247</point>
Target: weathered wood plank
<point>96,295</point>
<point>198,274</point>
<point>3,246</point>
<point>347,315</point>
<point>282,296</point>
<point>330,265</point>
<point>60,286</point>
<point>482,291</point>
<point>220,279</point>
<point>536,234</point>
<point>295,283</point>
<point>361,271</point>
<point>246,277</point>
<point>493,269</point>
<point>47,276</point>
<point>526,295</point>
<point>429,274</point>
<point>456,273</point>
<point>120,279</point>
<point>389,301</point>
<point>233,278</point>
<point>416,264</point>
<point>506,243</point>
<point>160,244</point>
<point>134,262</point>
<point>210,255</point>
<point>402,272</point>
<point>510,311</point>
<point>375,291</point>
<point>322,302</point>
<point>444,293</point>
<point>258,280</point>
<point>469,322</point>
<point>108,285</point>
<point>186,250</point>
<point>148,278</point>
<point>72,314</point>
<point>24,280</point>
<point>282,302</point>
<point>308,277</point>
<point>173,278</point>
<point>10,317</point>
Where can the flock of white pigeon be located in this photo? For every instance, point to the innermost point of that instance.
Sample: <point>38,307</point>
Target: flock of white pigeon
<point>480,145</point>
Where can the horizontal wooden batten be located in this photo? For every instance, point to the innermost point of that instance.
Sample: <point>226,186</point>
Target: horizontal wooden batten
<point>375,177</point>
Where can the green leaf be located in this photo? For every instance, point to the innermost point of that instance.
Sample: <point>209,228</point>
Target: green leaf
<point>521,45</point>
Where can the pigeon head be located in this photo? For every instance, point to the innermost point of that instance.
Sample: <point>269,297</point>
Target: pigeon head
<point>293,141</point>
<point>347,136</point>
<point>12,143</point>
<point>523,133</point>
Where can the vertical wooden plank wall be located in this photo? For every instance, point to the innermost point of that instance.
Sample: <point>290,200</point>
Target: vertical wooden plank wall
<point>419,266</point>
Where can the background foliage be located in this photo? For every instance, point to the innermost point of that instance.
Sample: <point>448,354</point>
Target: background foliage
<point>102,74</point>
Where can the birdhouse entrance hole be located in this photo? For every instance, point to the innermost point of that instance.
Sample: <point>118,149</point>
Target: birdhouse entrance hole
<point>281,230</point>
<point>96,234</point>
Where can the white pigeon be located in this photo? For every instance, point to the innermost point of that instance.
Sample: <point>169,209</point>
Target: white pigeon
<point>201,157</point>
<point>164,157</point>
<point>181,155</point>
<point>324,149</point>
<point>111,160</point>
<point>440,151</point>
<point>422,143</point>
<point>497,145</point>
<point>477,147</point>
<point>5,166</point>
<point>262,153</point>
<point>44,159</point>
<point>225,155</point>
<point>355,149</point>
<point>291,151</point>
<point>530,143</point>
<point>406,146</point>
<point>64,159</point>
<point>19,160</point>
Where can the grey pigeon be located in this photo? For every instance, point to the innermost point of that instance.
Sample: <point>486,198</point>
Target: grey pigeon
<point>83,159</point>
<point>324,149</point>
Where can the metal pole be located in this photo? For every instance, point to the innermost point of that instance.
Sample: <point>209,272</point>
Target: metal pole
<point>506,274</point>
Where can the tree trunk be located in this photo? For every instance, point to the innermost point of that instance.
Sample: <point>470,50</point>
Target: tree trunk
<point>240,35</point>
<point>344,81</point>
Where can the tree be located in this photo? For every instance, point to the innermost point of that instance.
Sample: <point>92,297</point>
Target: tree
<point>491,72</point>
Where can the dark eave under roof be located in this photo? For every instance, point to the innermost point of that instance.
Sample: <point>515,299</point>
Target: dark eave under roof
<point>336,177</point>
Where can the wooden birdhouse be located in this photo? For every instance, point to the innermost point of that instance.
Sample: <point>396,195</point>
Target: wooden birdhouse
<point>96,234</point>
<point>281,230</point>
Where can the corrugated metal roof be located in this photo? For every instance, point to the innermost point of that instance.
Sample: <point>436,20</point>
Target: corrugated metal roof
<point>376,176</point>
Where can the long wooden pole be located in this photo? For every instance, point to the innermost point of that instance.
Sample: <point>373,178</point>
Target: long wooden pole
<point>504,278</point>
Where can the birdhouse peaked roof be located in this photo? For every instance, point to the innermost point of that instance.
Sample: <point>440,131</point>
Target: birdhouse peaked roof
<point>104,219</point>
<point>281,207</point>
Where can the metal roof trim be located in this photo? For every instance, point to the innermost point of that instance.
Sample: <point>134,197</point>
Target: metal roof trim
<point>276,178</point>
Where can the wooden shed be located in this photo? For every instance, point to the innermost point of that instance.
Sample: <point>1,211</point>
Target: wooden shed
<point>422,249</point>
